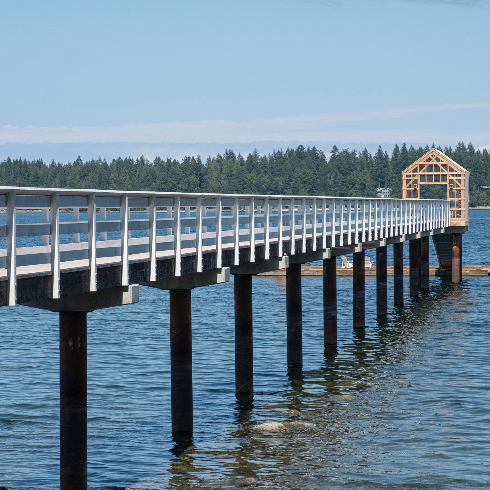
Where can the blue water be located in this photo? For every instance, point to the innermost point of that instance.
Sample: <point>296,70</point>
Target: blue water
<point>407,406</point>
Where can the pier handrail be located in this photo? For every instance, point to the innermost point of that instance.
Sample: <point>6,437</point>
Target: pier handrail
<point>75,230</point>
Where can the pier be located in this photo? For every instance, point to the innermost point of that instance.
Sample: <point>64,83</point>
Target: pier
<point>74,251</point>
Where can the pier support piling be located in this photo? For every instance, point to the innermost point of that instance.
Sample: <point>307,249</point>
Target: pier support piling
<point>330,301</point>
<point>381,281</point>
<point>73,400</point>
<point>456,258</point>
<point>243,333</point>
<point>359,290</point>
<point>424,263</point>
<point>181,361</point>
<point>414,251</point>
<point>398,274</point>
<point>294,315</point>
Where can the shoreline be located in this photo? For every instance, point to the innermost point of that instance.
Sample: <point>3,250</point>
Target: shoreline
<point>317,271</point>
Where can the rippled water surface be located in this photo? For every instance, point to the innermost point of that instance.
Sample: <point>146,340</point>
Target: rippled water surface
<point>405,406</point>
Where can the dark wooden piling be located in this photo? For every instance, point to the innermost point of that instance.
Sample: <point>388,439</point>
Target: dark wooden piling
<point>457,256</point>
<point>398,274</point>
<point>294,315</point>
<point>243,333</point>
<point>414,253</point>
<point>424,263</point>
<point>381,281</point>
<point>73,400</point>
<point>181,361</point>
<point>359,290</point>
<point>330,301</point>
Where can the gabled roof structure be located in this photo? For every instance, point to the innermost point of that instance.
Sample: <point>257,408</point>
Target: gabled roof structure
<point>437,168</point>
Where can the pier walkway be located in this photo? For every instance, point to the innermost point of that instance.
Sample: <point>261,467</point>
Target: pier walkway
<point>73,251</point>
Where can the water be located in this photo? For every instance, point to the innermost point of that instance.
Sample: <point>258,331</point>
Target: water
<point>404,407</point>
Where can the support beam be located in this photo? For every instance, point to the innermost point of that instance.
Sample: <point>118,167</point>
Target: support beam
<point>414,246</point>
<point>456,274</point>
<point>424,265</point>
<point>381,281</point>
<point>330,301</point>
<point>359,290</point>
<point>294,315</point>
<point>244,370</point>
<point>181,361</point>
<point>398,273</point>
<point>73,400</point>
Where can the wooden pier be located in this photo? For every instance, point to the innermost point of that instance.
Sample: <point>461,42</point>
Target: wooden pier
<point>90,249</point>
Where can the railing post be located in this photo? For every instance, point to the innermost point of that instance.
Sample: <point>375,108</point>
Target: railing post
<point>219,232</point>
<point>45,219</point>
<point>292,230</point>
<point>124,211</point>
<point>324,224</point>
<point>303,225</point>
<point>251,221</point>
<point>236,230</point>
<point>177,236</point>
<point>280,228</point>
<point>313,231</point>
<point>11,248</point>
<point>199,233</point>
<point>92,241</point>
<point>55,244</point>
<point>349,222</point>
<point>267,228</point>
<point>152,236</point>
<point>341,222</point>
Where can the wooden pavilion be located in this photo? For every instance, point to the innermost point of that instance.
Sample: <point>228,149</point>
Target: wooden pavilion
<point>437,168</point>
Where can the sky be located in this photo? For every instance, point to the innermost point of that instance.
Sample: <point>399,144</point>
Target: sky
<point>180,74</point>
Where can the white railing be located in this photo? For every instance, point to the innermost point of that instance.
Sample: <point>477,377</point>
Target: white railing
<point>80,229</point>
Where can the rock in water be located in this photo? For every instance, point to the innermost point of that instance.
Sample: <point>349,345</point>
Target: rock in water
<point>292,413</point>
<point>274,427</point>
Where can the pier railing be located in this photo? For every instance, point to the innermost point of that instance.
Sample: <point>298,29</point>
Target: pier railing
<point>46,231</point>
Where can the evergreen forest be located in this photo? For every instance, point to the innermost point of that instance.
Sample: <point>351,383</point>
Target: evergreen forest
<point>303,171</point>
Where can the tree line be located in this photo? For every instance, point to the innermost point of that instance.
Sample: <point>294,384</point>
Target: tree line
<point>301,170</point>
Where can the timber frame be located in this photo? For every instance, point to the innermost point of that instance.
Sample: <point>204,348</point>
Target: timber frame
<point>437,168</point>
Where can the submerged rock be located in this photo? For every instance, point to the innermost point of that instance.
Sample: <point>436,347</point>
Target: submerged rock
<point>292,413</point>
<point>274,427</point>
<point>245,482</point>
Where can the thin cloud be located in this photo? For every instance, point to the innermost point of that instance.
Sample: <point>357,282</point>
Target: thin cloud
<point>306,127</point>
<point>456,3</point>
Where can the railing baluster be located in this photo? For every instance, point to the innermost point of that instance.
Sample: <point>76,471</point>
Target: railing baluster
<point>11,248</point>
<point>199,232</point>
<point>349,222</point>
<point>55,244</point>
<point>324,224</point>
<point>45,219</point>
<point>313,209</point>
<point>292,229</point>
<point>103,217</point>
<point>341,222</point>
<point>303,225</point>
<point>92,241</point>
<point>76,217</point>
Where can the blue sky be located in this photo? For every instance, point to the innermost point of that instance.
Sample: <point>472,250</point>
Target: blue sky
<point>362,71</point>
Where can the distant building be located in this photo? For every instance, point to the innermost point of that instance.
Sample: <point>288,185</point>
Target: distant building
<point>384,192</point>
<point>484,188</point>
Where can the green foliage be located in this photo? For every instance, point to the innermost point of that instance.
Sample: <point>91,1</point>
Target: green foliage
<point>301,170</point>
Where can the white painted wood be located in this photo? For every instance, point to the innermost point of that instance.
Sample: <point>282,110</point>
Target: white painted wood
<point>267,228</point>
<point>303,225</point>
<point>124,213</point>
<point>280,225</point>
<point>92,241</point>
<point>76,217</point>
<point>199,208</point>
<point>219,232</point>
<point>11,248</point>
<point>55,244</point>
<point>152,235</point>
<point>236,231</point>
<point>341,221</point>
<point>292,227</point>
<point>45,219</point>
<point>314,222</point>
<point>324,224</point>
<point>177,236</point>
<point>251,224</point>
<point>103,217</point>
<point>349,222</point>
<point>187,213</point>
